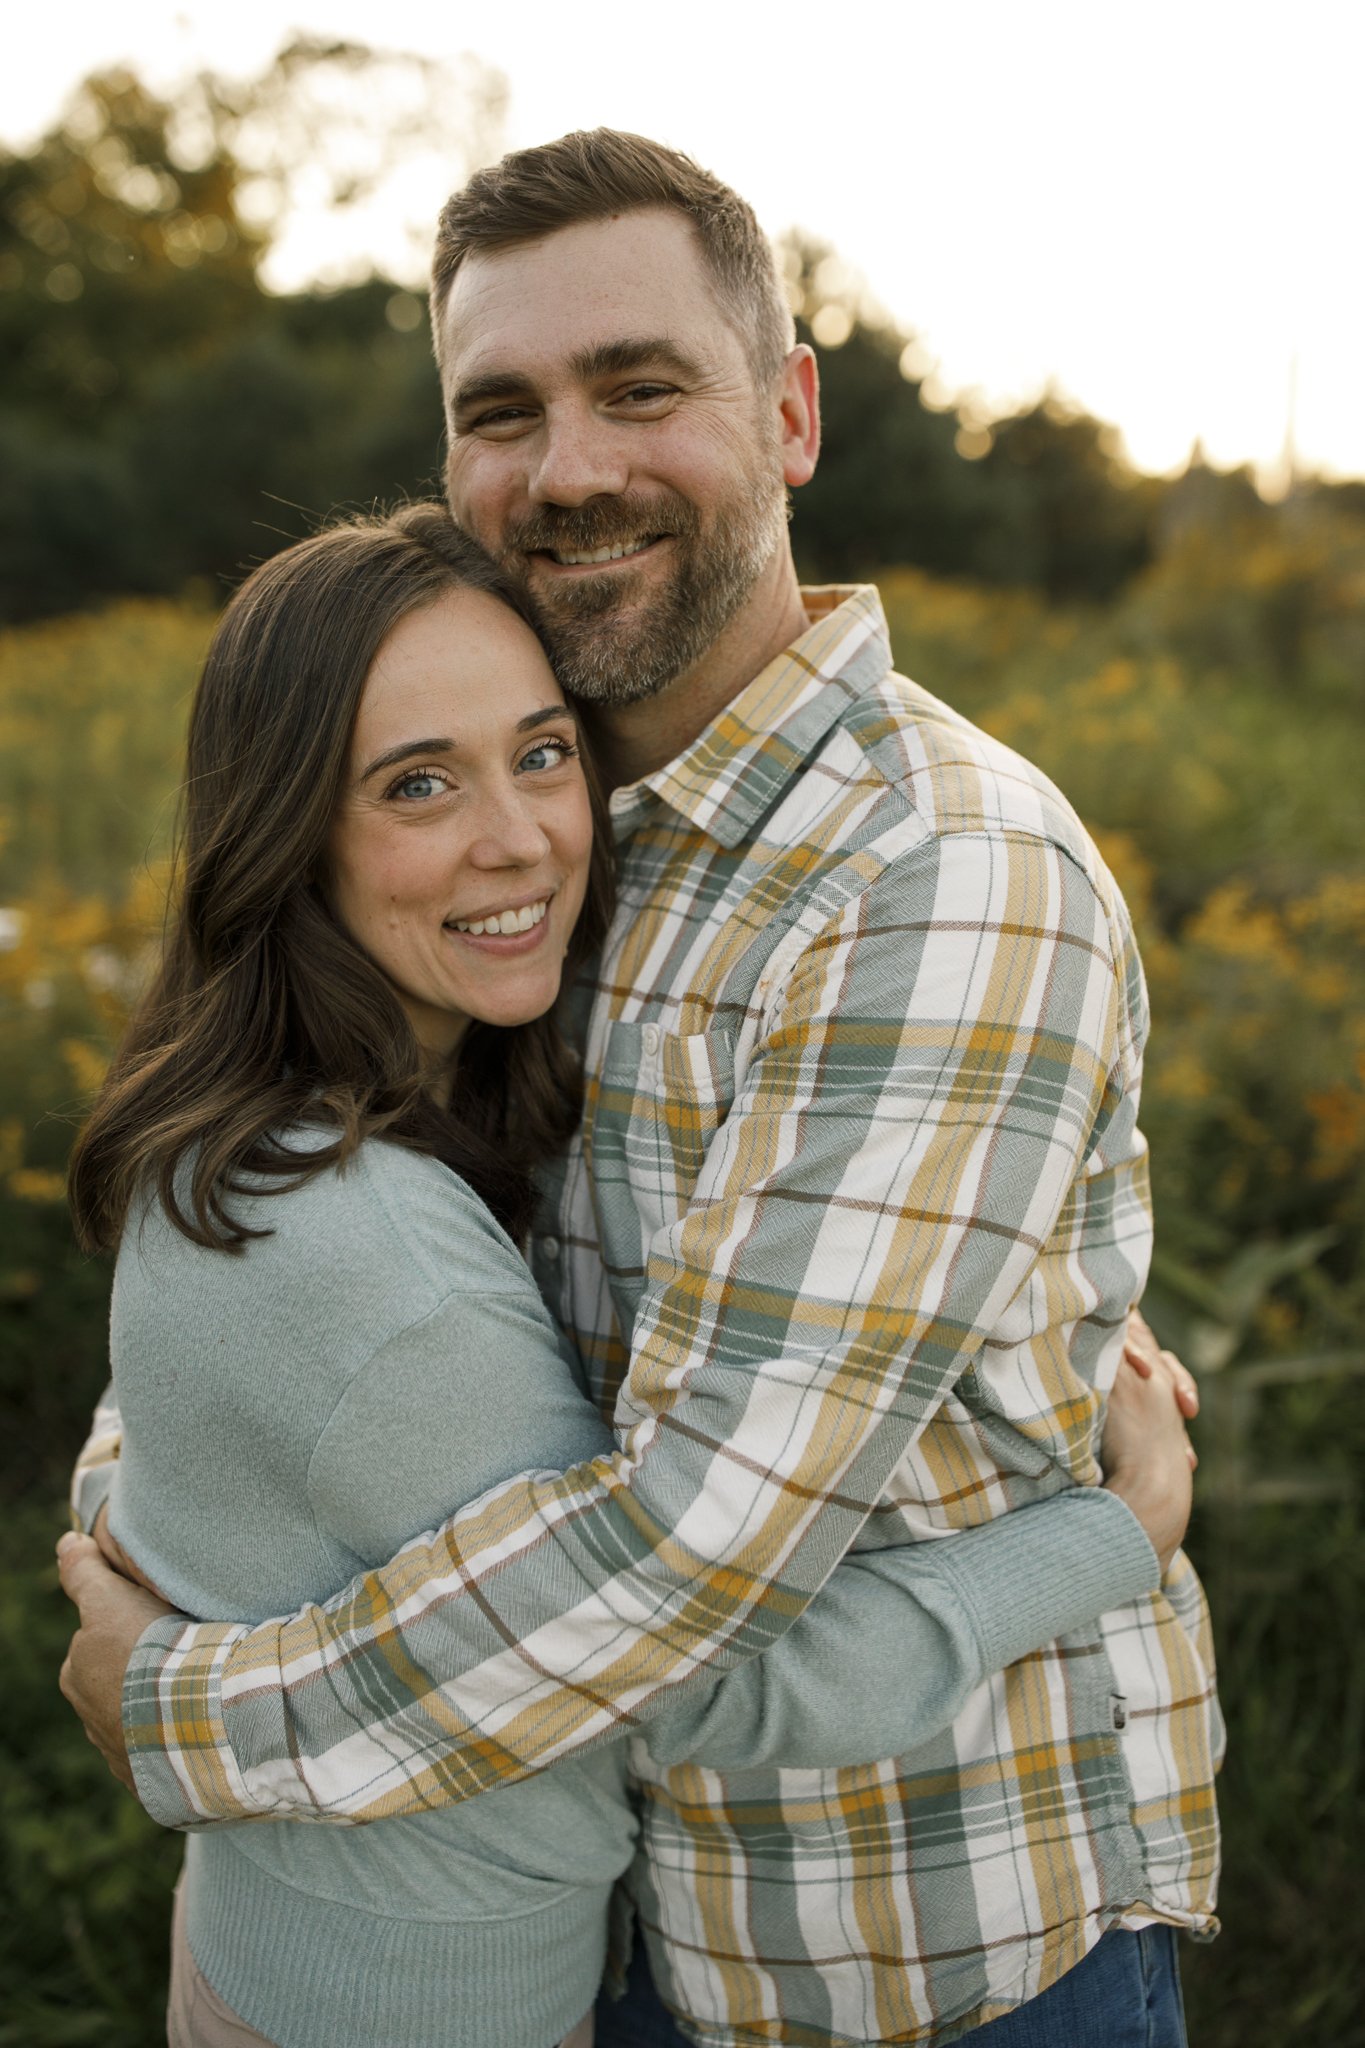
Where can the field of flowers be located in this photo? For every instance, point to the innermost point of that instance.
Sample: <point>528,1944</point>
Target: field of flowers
<point>1207,726</point>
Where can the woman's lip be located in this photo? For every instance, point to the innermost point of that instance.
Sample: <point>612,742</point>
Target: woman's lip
<point>502,945</point>
<point>545,896</point>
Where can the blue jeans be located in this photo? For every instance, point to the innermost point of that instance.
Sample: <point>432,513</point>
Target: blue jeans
<point>1126,1994</point>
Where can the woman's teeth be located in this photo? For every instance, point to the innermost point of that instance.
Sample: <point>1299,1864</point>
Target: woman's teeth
<point>503,922</point>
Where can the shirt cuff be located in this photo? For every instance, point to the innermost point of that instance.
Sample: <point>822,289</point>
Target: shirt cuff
<point>1098,1559</point>
<point>89,1491</point>
<point>174,1728</point>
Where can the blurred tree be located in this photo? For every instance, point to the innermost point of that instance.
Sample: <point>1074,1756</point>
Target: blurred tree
<point>1043,497</point>
<point>891,486</point>
<point>157,398</point>
<point>1061,507</point>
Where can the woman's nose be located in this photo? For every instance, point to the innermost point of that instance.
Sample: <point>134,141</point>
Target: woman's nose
<point>508,833</point>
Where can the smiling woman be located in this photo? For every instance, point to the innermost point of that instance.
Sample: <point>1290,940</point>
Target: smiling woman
<point>332,847</point>
<point>460,862</point>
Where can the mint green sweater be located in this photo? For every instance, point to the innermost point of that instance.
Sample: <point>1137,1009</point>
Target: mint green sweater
<point>296,1413</point>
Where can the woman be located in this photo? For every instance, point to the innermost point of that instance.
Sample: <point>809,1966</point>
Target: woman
<point>315,1151</point>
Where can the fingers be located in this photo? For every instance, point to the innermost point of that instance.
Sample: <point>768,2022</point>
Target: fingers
<point>116,1556</point>
<point>1186,1390</point>
<point>1139,1341</point>
<point>1145,1356</point>
<point>77,1557</point>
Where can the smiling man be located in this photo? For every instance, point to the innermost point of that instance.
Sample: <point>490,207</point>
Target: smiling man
<point>846,1243</point>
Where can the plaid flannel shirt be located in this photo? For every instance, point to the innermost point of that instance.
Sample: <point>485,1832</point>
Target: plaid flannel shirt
<point>846,1242</point>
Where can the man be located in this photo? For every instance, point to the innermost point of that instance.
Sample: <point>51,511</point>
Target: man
<point>846,1243</point>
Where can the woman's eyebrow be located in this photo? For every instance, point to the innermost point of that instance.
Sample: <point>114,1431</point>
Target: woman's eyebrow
<point>545,716</point>
<point>405,749</point>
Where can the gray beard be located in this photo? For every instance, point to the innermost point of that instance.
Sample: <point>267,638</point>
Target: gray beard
<point>607,651</point>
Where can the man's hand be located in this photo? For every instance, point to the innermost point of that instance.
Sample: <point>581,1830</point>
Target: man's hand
<point>113,1615</point>
<point>1147,1456</point>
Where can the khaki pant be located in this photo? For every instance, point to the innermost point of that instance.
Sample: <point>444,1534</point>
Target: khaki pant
<point>196,2016</point>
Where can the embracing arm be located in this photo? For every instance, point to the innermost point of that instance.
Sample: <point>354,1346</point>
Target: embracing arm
<point>945,1053</point>
<point>922,1624</point>
<point>887,1654</point>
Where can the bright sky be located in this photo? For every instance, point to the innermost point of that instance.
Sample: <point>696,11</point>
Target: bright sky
<point>1157,208</point>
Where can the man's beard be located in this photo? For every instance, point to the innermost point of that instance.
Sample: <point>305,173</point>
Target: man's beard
<point>610,639</point>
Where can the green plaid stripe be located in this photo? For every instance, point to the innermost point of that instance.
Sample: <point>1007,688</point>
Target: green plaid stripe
<point>847,1240</point>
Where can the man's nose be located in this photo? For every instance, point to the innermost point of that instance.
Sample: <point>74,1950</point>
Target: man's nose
<point>580,457</point>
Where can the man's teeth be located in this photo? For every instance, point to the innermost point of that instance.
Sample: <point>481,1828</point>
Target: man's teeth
<point>613,554</point>
<point>503,922</point>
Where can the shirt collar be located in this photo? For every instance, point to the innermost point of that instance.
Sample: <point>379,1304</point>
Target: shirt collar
<point>737,767</point>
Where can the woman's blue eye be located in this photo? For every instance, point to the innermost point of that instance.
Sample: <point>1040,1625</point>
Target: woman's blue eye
<point>418,785</point>
<point>548,754</point>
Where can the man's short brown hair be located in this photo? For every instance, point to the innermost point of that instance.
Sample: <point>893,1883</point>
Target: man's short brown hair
<point>595,173</point>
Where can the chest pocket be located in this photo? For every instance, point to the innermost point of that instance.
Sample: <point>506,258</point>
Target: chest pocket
<point>654,1110</point>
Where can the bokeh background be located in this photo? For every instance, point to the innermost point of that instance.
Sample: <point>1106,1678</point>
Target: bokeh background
<point>212,330</point>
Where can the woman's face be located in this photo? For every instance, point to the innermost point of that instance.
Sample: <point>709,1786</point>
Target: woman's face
<point>459,849</point>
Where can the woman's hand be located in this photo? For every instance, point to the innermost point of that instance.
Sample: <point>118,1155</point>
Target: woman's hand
<point>1145,1355</point>
<point>116,1556</point>
<point>1147,1456</point>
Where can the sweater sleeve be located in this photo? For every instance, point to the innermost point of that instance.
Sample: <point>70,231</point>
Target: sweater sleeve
<point>887,1653</point>
<point>448,1409</point>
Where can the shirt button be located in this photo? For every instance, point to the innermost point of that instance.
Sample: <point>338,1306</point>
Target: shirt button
<point>550,1247</point>
<point>1118,1711</point>
<point>649,1038</point>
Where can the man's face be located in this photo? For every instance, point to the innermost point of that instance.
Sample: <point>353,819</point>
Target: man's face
<point>608,446</point>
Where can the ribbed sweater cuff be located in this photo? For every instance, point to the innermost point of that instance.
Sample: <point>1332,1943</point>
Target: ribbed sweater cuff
<point>1056,1576</point>
<point>310,1972</point>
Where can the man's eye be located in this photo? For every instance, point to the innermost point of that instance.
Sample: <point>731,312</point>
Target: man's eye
<point>649,394</point>
<point>501,418</point>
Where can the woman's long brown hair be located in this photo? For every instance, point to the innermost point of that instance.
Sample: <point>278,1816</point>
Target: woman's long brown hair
<point>265,1011</point>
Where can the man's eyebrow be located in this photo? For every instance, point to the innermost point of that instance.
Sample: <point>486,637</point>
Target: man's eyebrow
<point>633,352</point>
<point>406,749</point>
<point>492,385</point>
<point>604,359</point>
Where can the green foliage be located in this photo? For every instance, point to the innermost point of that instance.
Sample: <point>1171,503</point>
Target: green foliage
<point>86,1877</point>
<point>164,416</point>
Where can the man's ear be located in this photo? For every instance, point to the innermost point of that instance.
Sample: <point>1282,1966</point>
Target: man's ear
<point>799,411</point>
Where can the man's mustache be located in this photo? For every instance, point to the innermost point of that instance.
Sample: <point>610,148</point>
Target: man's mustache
<point>600,523</point>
